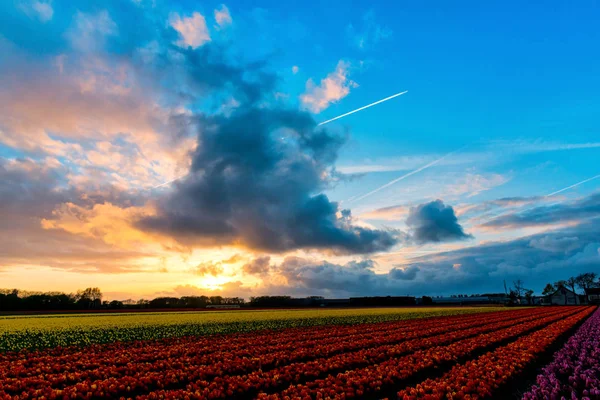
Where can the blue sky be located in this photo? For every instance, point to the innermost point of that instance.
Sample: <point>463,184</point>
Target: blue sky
<point>105,102</point>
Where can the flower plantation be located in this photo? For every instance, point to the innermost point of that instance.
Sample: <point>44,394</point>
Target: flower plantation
<point>461,355</point>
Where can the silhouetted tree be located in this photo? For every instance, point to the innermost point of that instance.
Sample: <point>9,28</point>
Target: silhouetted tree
<point>549,289</point>
<point>586,280</point>
<point>559,284</point>
<point>571,282</point>
<point>519,288</point>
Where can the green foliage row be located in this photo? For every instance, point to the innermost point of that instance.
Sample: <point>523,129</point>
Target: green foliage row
<point>19,333</point>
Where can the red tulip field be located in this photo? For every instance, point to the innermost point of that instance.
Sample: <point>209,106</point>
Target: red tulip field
<point>478,355</point>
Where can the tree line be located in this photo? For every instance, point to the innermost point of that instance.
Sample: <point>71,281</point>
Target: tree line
<point>91,299</point>
<point>582,281</point>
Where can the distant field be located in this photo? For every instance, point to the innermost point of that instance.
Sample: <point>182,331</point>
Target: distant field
<point>42,331</point>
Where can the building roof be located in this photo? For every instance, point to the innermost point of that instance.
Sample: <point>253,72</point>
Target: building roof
<point>562,288</point>
<point>592,291</point>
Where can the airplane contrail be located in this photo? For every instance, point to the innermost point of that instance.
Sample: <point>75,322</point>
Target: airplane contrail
<point>411,173</point>
<point>362,108</point>
<point>572,186</point>
<point>548,195</point>
<point>167,182</point>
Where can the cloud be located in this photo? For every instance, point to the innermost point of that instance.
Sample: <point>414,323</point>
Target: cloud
<point>248,187</point>
<point>552,243</point>
<point>193,30</point>
<point>208,268</point>
<point>505,202</point>
<point>534,259</point>
<point>222,16</point>
<point>234,259</point>
<point>434,222</point>
<point>333,88</point>
<point>540,145</point>
<point>368,32</point>
<point>258,266</point>
<point>312,277</point>
<point>304,277</point>
<point>473,184</point>
<point>90,30</point>
<point>295,69</point>
<point>30,192</point>
<point>391,213</point>
<point>104,221</point>
<point>576,211</point>
<point>405,274</point>
<point>39,9</point>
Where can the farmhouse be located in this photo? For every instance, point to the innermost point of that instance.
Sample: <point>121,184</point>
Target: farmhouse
<point>563,296</point>
<point>593,295</point>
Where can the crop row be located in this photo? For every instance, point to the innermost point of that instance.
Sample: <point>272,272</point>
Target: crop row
<point>139,375</point>
<point>479,378</point>
<point>575,370</point>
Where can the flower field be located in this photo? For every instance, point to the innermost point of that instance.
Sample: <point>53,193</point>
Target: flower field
<point>459,355</point>
<point>42,331</point>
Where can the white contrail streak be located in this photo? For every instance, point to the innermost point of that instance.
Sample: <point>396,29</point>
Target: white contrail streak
<point>548,195</point>
<point>168,182</point>
<point>362,108</point>
<point>411,173</point>
<point>572,186</point>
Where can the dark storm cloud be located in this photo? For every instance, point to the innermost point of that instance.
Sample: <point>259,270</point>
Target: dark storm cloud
<point>434,222</point>
<point>254,180</point>
<point>406,274</point>
<point>579,210</point>
<point>536,259</point>
<point>305,277</point>
<point>324,277</point>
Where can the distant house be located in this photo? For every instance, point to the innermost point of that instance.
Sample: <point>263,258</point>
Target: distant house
<point>593,295</point>
<point>563,297</point>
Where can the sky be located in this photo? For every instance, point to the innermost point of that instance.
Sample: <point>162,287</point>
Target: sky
<point>170,148</point>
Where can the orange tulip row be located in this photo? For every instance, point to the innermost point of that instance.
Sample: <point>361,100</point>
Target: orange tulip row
<point>479,378</point>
